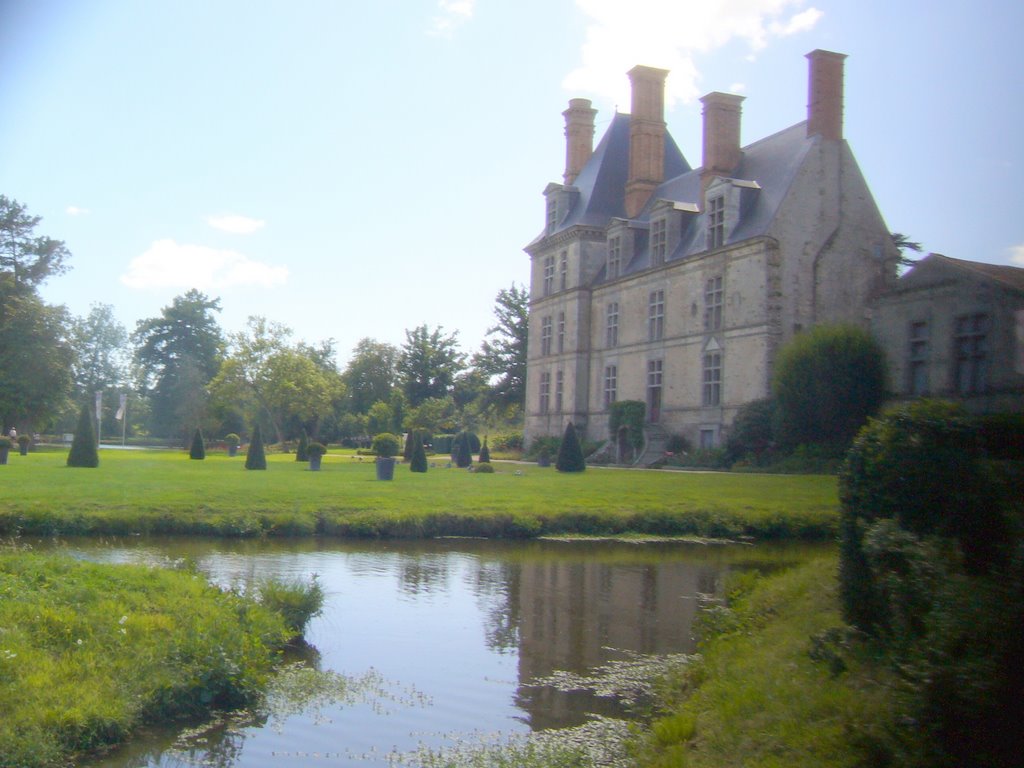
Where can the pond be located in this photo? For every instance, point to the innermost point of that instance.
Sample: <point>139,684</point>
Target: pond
<point>443,637</point>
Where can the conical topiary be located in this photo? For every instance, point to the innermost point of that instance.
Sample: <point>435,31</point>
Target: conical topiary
<point>418,460</point>
<point>198,449</point>
<point>462,450</point>
<point>83,448</point>
<point>570,453</point>
<point>255,457</point>
<point>410,445</point>
<point>485,454</point>
<point>302,452</point>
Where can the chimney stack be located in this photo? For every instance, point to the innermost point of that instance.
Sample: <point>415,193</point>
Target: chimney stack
<point>721,135</point>
<point>579,137</point>
<point>825,95</point>
<point>646,137</point>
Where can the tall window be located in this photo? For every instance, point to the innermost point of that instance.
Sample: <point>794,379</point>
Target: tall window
<point>659,241</point>
<point>917,359</point>
<point>971,353</point>
<point>716,222</point>
<point>545,392</point>
<point>561,332</point>
<point>713,304</point>
<point>563,271</point>
<point>559,384</point>
<point>611,376</point>
<point>656,315</point>
<point>614,257</point>
<point>549,275</point>
<point>545,335</point>
<point>552,215</point>
<point>654,372</point>
<point>713,378</point>
<point>611,326</point>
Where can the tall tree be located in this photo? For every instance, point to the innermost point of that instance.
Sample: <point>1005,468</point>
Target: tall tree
<point>370,375</point>
<point>502,358</point>
<point>178,353</point>
<point>904,243</point>
<point>100,344</point>
<point>429,363</point>
<point>27,260</point>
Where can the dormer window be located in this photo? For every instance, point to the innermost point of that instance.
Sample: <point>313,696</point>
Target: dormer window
<point>552,215</point>
<point>716,222</point>
<point>614,257</point>
<point>659,241</point>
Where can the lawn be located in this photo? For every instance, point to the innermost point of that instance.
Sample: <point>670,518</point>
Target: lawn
<point>153,491</point>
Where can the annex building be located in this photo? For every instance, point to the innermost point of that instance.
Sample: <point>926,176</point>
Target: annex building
<point>675,285</point>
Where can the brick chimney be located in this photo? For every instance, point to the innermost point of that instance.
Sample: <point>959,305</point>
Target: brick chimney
<point>721,135</point>
<point>646,136</point>
<point>579,137</point>
<point>825,94</point>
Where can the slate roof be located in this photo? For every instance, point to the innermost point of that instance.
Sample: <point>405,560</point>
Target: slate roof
<point>925,271</point>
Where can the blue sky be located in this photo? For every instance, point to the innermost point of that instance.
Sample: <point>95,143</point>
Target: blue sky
<point>355,169</point>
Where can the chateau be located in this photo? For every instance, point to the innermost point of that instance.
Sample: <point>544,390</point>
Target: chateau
<point>656,281</point>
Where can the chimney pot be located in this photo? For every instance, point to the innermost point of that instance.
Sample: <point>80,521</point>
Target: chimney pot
<point>579,137</point>
<point>722,112</point>
<point>825,94</point>
<point>646,136</point>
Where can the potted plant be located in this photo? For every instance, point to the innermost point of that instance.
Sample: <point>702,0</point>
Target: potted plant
<point>385,446</point>
<point>232,441</point>
<point>316,452</point>
<point>24,441</point>
<point>5,448</point>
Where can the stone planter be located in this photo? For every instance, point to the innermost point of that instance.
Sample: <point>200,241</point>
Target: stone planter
<point>386,467</point>
<point>543,460</point>
<point>232,450</point>
<point>314,463</point>
<point>23,448</point>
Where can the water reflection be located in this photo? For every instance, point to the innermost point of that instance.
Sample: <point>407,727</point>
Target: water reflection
<point>467,624</point>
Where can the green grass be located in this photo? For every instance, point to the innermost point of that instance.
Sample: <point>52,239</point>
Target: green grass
<point>166,492</point>
<point>90,652</point>
<point>756,698</point>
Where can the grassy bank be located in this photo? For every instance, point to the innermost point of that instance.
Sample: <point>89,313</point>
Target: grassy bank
<point>165,492</point>
<point>89,652</point>
<point>764,692</point>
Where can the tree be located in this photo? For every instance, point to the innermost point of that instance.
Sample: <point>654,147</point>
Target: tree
<point>418,460</point>
<point>83,451</point>
<point>485,453</point>
<point>570,452</point>
<point>462,448</point>
<point>256,457</point>
<point>502,359</point>
<point>904,243</point>
<point>370,375</point>
<point>429,363</point>
<point>302,450</point>
<point>198,449</point>
<point>101,356</point>
<point>827,382</point>
<point>178,353</point>
<point>26,260</point>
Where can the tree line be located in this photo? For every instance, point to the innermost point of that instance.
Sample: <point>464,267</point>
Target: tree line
<point>181,370</point>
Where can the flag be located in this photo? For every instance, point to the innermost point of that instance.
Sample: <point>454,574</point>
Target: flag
<point>124,402</point>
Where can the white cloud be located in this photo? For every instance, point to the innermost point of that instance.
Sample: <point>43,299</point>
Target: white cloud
<point>74,210</point>
<point>670,34</point>
<point>1017,254</point>
<point>167,264</point>
<point>236,225</point>
<point>451,15</point>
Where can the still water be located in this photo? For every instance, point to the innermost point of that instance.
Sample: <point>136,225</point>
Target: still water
<point>447,636</point>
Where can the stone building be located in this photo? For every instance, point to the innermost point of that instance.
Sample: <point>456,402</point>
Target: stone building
<point>955,329</point>
<point>676,286</point>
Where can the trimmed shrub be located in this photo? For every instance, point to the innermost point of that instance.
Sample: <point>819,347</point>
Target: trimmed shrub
<point>543,445</point>
<point>302,450</point>
<point>751,437</point>
<point>508,441</point>
<point>198,449</point>
<point>629,414</point>
<point>486,469</point>
<point>418,460</point>
<point>315,449</point>
<point>256,457</point>
<point>83,451</point>
<point>462,450</point>
<point>232,440</point>
<point>485,454</point>
<point>570,454</point>
<point>385,445</point>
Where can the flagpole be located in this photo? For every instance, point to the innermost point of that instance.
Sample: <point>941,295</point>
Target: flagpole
<point>124,418</point>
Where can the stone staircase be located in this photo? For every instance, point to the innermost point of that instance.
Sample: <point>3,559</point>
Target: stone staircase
<point>655,442</point>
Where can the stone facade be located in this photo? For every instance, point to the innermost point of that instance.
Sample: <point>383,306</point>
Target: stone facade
<point>676,286</point>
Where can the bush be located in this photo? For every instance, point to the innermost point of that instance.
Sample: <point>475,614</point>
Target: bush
<point>487,469</point>
<point>828,381</point>
<point>543,444</point>
<point>302,450</point>
<point>418,460</point>
<point>6,442</point>
<point>83,451</point>
<point>256,457</point>
<point>385,445</point>
<point>297,601</point>
<point>485,454</point>
<point>198,449</point>
<point>232,439</point>
<point>315,449</point>
<point>570,454</point>
<point>750,437</point>
<point>508,441</point>
<point>629,414</point>
<point>462,450</point>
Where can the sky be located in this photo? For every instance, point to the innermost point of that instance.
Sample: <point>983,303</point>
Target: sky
<point>356,169</point>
